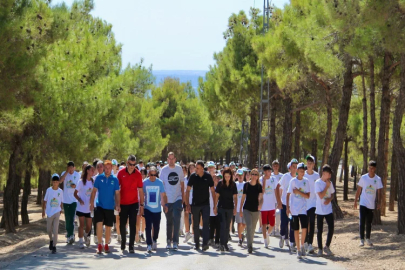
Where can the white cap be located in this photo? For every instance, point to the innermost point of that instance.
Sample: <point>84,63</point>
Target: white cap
<point>288,165</point>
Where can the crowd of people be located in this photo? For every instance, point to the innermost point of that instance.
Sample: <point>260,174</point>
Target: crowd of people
<point>201,201</point>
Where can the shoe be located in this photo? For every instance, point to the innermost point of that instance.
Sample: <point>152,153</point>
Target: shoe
<point>369,243</point>
<point>131,250</point>
<point>50,245</point>
<point>197,247</point>
<point>87,240</point>
<point>187,237</point>
<point>281,243</point>
<point>299,255</point>
<point>71,240</point>
<point>175,246</point>
<point>222,248</point>
<point>81,245</point>
<point>53,250</point>
<point>95,239</point>
<point>303,251</point>
<point>277,233</point>
<point>266,245</point>
<point>226,248</point>
<point>327,251</point>
<point>205,247</point>
<point>109,241</point>
<point>293,248</point>
<point>119,239</point>
<point>243,237</point>
<point>154,246</point>
<point>306,246</point>
<point>142,238</point>
<point>99,248</point>
<point>240,242</point>
<point>169,246</point>
<point>233,229</point>
<point>181,233</point>
<point>260,230</point>
<point>106,248</point>
<point>310,249</point>
<point>250,249</point>
<point>320,252</point>
<point>268,240</point>
<point>211,242</point>
<point>149,249</point>
<point>229,238</point>
<point>287,242</point>
<point>361,243</point>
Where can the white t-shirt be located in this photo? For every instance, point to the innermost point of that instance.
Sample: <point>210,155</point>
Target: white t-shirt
<point>172,179</point>
<point>68,190</point>
<point>239,186</point>
<point>277,176</point>
<point>311,202</point>
<point>369,190</point>
<point>284,183</point>
<point>269,194</point>
<point>321,208</point>
<point>53,199</point>
<point>84,193</point>
<point>298,205</point>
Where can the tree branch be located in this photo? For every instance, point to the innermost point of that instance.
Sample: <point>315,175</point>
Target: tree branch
<point>306,106</point>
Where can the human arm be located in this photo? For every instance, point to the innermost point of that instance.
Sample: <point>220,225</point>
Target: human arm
<point>92,197</point>
<point>183,198</point>
<point>214,198</point>
<point>235,203</point>
<point>117,201</point>
<point>163,199</point>
<point>323,192</point>
<point>278,197</point>
<point>303,194</point>
<point>188,208</point>
<point>288,204</point>
<point>141,201</point>
<point>329,200</point>
<point>358,192</point>
<point>242,202</point>
<point>63,176</point>
<point>260,201</point>
<point>78,198</point>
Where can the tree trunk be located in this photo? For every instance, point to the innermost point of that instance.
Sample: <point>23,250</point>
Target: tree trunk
<point>273,115</point>
<point>328,134</point>
<point>297,139</point>
<point>228,156</point>
<point>340,134</point>
<point>346,169</point>
<point>373,121</point>
<point>314,150</point>
<point>365,139</point>
<point>26,192</point>
<point>12,190</point>
<point>399,148</point>
<point>254,136</point>
<point>355,180</point>
<point>285,154</point>
<point>394,181</point>
<point>342,170</point>
<point>384,121</point>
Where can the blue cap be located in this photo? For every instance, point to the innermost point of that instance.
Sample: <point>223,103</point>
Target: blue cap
<point>55,177</point>
<point>210,164</point>
<point>240,171</point>
<point>232,164</point>
<point>114,162</point>
<point>294,161</point>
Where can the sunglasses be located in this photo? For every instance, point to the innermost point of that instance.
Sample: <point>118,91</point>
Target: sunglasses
<point>153,175</point>
<point>131,164</point>
<point>254,174</point>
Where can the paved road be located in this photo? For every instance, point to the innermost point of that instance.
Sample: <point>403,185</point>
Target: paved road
<point>71,257</point>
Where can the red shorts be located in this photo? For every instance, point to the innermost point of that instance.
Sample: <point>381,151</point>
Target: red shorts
<point>269,217</point>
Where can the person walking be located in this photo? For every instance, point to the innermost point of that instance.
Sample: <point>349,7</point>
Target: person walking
<point>251,204</point>
<point>240,220</point>
<point>311,176</point>
<point>276,173</point>
<point>173,181</point>
<point>202,184</point>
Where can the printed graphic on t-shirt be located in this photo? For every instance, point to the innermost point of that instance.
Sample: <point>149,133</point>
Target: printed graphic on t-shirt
<point>173,178</point>
<point>88,192</point>
<point>55,202</point>
<point>240,193</point>
<point>370,189</point>
<point>152,193</point>
<point>70,184</point>
<point>299,195</point>
<point>269,189</point>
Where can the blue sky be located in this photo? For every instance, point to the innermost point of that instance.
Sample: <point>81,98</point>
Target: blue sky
<point>171,35</point>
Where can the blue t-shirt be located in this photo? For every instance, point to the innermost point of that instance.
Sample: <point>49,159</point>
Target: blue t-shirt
<point>106,190</point>
<point>152,192</point>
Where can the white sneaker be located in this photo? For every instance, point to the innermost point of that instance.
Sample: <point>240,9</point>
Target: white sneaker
<point>303,252</point>
<point>266,245</point>
<point>268,240</point>
<point>287,242</point>
<point>169,246</point>
<point>306,246</point>
<point>293,247</point>
<point>95,240</point>
<point>109,241</point>
<point>369,243</point>
<point>87,241</point>
<point>327,251</point>
<point>119,238</point>
<point>361,243</point>
<point>149,249</point>
<point>81,245</point>
<point>310,249</point>
<point>187,237</point>
<point>281,243</point>
<point>154,246</point>
<point>175,247</point>
<point>299,255</point>
<point>71,239</point>
<point>260,230</point>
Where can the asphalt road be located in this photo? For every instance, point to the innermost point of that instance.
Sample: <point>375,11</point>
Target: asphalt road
<point>71,257</point>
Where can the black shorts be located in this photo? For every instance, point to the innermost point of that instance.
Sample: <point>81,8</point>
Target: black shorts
<point>81,214</point>
<point>104,215</point>
<point>296,220</point>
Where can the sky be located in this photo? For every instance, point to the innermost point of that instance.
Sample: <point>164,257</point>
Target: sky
<point>171,35</point>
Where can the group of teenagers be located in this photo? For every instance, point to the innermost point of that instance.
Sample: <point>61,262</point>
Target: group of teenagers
<point>205,199</point>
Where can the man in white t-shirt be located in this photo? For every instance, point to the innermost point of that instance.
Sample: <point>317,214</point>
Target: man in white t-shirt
<point>238,219</point>
<point>69,179</point>
<point>311,176</point>
<point>173,182</point>
<point>368,186</point>
<point>325,193</point>
<point>299,192</point>
<point>277,174</point>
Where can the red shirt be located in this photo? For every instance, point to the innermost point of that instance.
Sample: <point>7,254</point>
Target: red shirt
<point>129,184</point>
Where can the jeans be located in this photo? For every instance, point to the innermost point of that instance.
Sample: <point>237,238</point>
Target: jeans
<point>225,217</point>
<point>311,230</point>
<point>331,227</point>
<point>366,218</point>
<point>284,225</point>
<point>173,217</point>
<point>215,228</point>
<point>128,212</point>
<point>152,220</point>
<point>251,219</point>
<point>70,212</point>
<point>205,212</point>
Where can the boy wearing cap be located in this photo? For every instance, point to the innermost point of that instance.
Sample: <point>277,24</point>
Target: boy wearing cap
<point>69,179</point>
<point>277,174</point>
<point>52,207</point>
<point>368,186</point>
<point>299,192</point>
<point>325,193</point>
<point>311,176</point>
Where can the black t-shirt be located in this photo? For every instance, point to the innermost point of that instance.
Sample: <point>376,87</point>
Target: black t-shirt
<point>226,195</point>
<point>252,196</point>
<point>201,188</point>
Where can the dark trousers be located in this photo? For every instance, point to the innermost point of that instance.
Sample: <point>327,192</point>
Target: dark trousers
<point>284,228</point>
<point>366,218</point>
<point>130,212</point>
<point>215,228</point>
<point>331,227</point>
<point>225,217</point>
<point>205,212</point>
<point>70,213</point>
<point>94,223</point>
<point>311,222</point>
<point>152,220</point>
